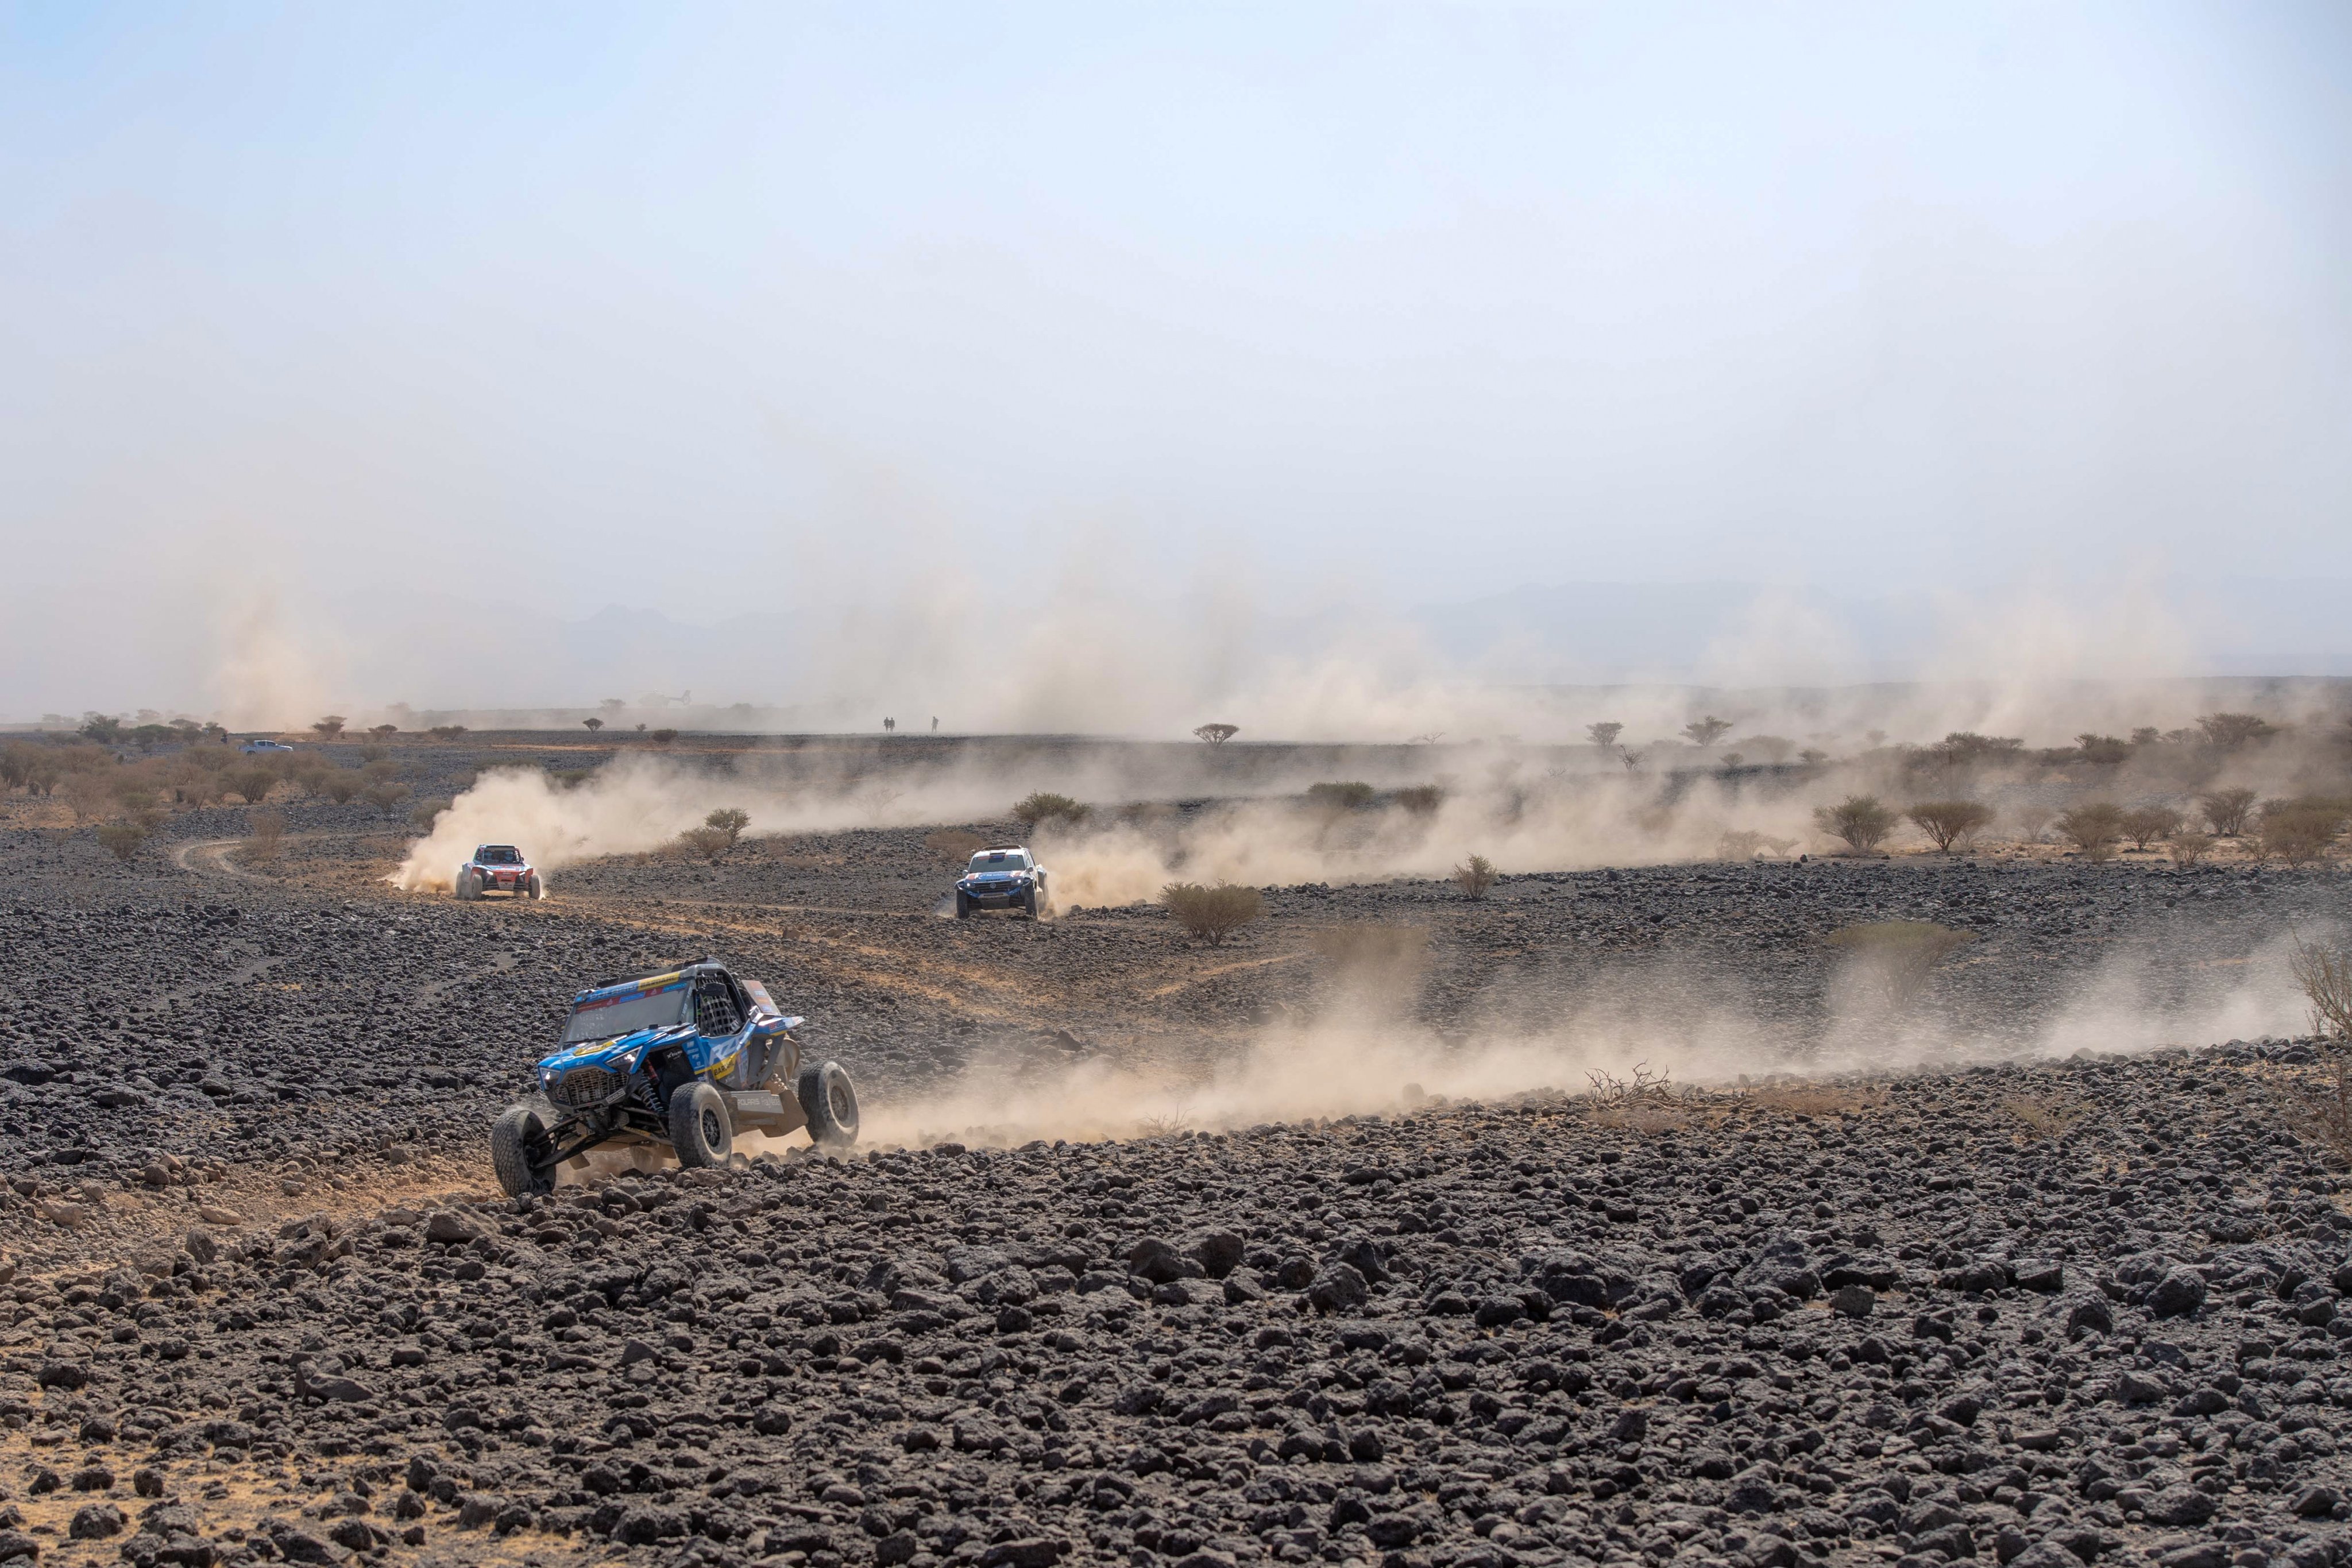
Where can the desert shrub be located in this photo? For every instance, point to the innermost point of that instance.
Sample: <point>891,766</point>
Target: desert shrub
<point>730,820</point>
<point>1422,800</point>
<point>1046,806</point>
<point>1475,875</point>
<point>1949,821</point>
<point>445,732</point>
<point>1896,957</point>
<point>383,730</point>
<point>18,763</point>
<point>710,843</point>
<point>2319,1109</point>
<point>89,794</point>
<point>2190,847</point>
<point>1339,796</point>
<point>570,778</point>
<point>593,724</point>
<point>251,783</point>
<point>1859,819</point>
<point>1604,735</point>
<point>2102,750</point>
<point>2144,825</point>
<point>2226,810</point>
<point>2324,971</point>
<point>328,727</point>
<point>2232,731</point>
<point>954,845</point>
<point>384,796</point>
<point>264,836</point>
<point>375,754</point>
<point>122,839</point>
<point>421,815</point>
<point>2092,827</point>
<point>1217,734</point>
<point>1212,913</point>
<point>2298,831</point>
<point>661,736</point>
<point>340,786</point>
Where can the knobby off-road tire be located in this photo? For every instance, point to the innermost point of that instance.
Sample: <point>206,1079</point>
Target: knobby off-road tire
<point>518,1151</point>
<point>468,888</point>
<point>963,907</point>
<point>829,1101</point>
<point>531,888</point>
<point>1029,902</point>
<point>700,1130</point>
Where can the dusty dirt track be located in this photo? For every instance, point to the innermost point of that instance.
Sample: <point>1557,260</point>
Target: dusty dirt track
<point>265,1308</point>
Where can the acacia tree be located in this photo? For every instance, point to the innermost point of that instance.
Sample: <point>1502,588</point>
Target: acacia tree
<point>1705,732</point>
<point>329,727</point>
<point>593,724</point>
<point>1949,821</point>
<point>1217,734</point>
<point>1859,819</point>
<point>1604,735</point>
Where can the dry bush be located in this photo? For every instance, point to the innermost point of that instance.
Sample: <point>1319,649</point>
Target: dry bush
<point>122,839</point>
<point>329,727</point>
<point>1859,819</point>
<point>1167,1126</point>
<point>421,815</point>
<point>1475,875</point>
<point>1949,821</point>
<point>1339,796</point>
<point>954,845</point>
<point>1604,735</point>
<point>265,835</point>
<point>2188,848</point>
<point>2232,731</point>
<point>1422,800</point>
<point>89,795</point>
<point>251,783</point>
<point>662,737</point>
<point>2031,821</point>
<point>1897,957</point>
<point>1821,1099</point>
<point>2144,825</point>
<point>2318,1110</point>
<point>1217,734</point>
<point>730,820</point>
<point>2300,830</point>
<point>2325,973</point>
<point>340,786</point>
<point>1212,913</point>
<point>2226,810</point>
<point>2092,827</point>
<point>1046,806</point>
<point>1609,1092</point>
<point>710,843</point>
<point>2045,1115</point>
<point>384,796</point>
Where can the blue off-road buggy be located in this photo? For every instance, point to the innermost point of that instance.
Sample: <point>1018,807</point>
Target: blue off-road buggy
<point>687,1058</point>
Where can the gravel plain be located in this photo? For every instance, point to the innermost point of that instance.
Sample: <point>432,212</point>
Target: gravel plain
<point>2022,1309</point>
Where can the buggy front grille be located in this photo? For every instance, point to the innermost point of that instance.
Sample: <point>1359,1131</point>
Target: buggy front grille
<point>586,1086</point>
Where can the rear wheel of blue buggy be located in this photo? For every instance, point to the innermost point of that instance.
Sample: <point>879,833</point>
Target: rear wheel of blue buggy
<point>700,1130</point>
<point>520,1152</point>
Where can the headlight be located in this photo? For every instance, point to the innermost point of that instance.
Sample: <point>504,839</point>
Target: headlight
<point>547,1079</point>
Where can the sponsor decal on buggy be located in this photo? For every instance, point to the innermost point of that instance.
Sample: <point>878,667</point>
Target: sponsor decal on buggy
<point>760,1001</point>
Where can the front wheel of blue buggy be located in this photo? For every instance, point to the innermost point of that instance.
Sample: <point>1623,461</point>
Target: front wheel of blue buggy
<point>522,1154</point>
<point>699,1132</point>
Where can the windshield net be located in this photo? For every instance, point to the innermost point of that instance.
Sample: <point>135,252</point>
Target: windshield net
<point>625,1012</point>
<point>498,855</point>
<point>999,860</point>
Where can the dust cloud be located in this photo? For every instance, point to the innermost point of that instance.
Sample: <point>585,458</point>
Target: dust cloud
<point>1366,1055</point>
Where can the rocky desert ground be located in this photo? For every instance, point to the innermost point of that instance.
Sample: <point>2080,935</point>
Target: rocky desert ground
<point>1315,1246</point>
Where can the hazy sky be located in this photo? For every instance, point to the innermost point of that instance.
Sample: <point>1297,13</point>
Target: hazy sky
<point>703,307</point>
